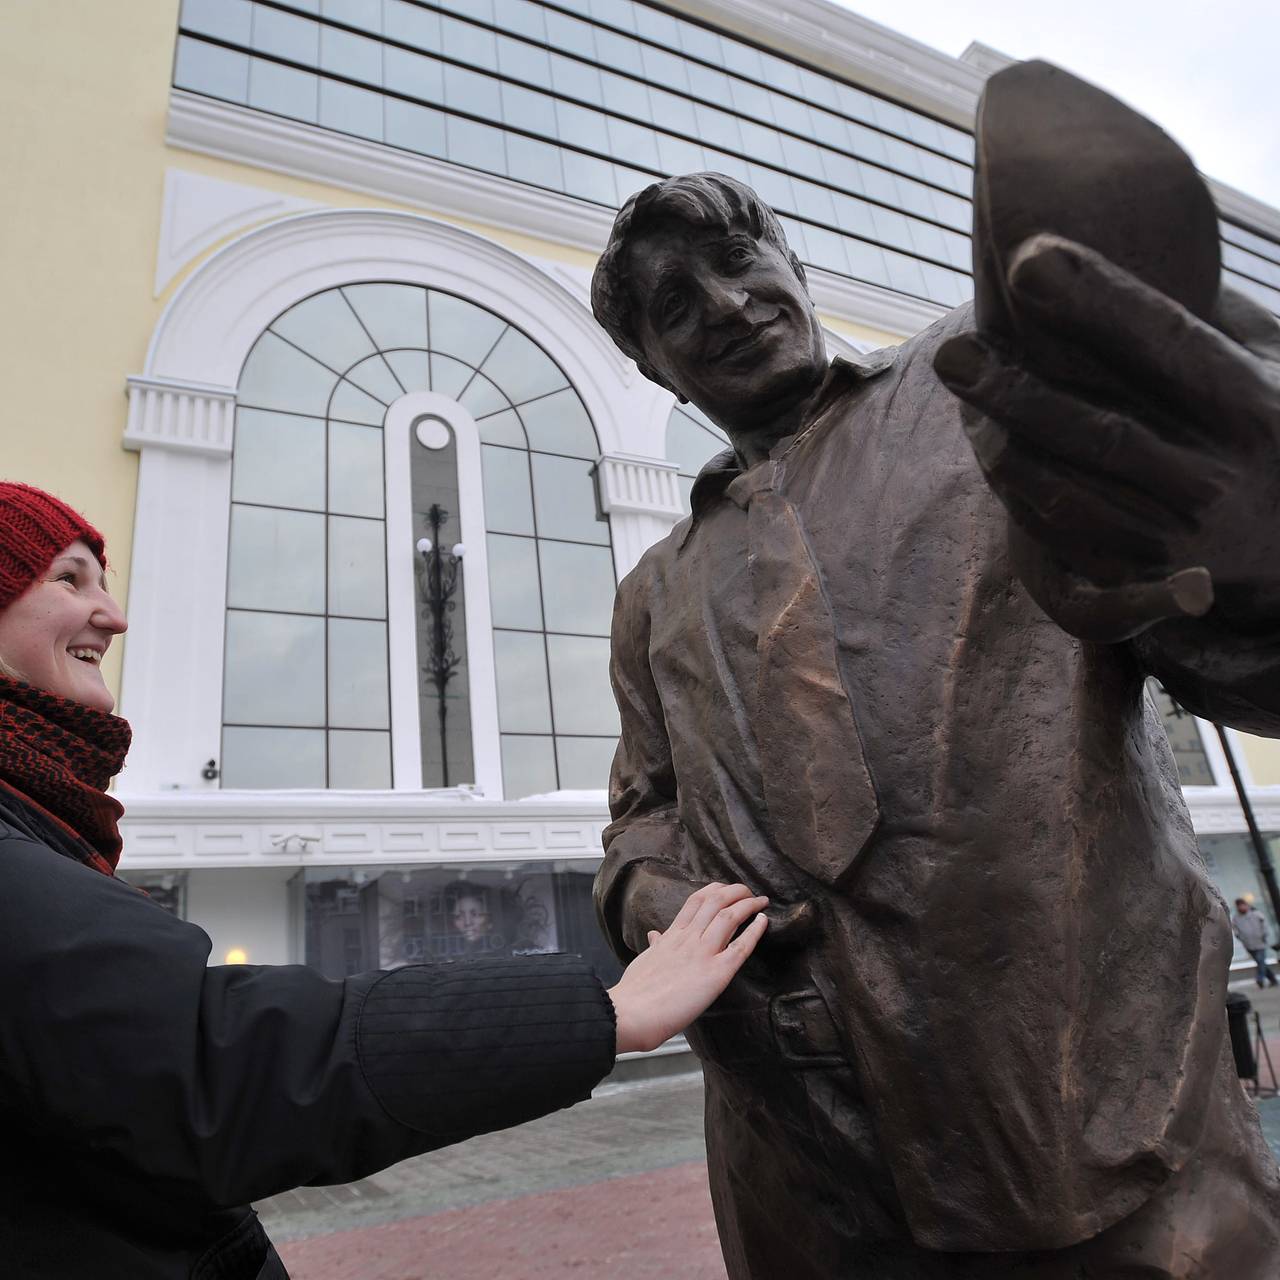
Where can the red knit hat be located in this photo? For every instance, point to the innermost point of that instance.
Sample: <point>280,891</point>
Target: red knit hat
<point>34,528</point>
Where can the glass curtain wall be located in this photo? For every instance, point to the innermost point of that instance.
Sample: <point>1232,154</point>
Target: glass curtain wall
<point>306,695</point>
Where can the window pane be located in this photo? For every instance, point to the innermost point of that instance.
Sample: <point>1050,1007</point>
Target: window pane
<point>270,759</point>
<point>565,500</point>
<point>278,376</point>
<point>355,470</point>
<point>449,376</point>
<point>589,178</point>
<point>412,368</point>
<point>537,163</point>
<point>507,505</point>
<point>468,43</point>
<point>325,327</point>
<point>365,14</point>
<point>413,25</point>
<point>461,329</point>
<point>585,762</point>
<point>359,761</point>
<point>522,369</point>
<point>276,560</point>
<point>283,90</point>
<point>395,314</point>
<point>580,689</point>
<point>358,674</point>
<point>513,582</point>
<point>577,587</point>
<point>350,110</point>
<point>350,55</point>
<point>278,460</point>
<point>559,423</point>
<point>520,664</point>
<point>285,35</point>
<point>503,428</point>
<point>482,398</point>
<point>477,145</point>
<point>689,444</point>
<point>206,68</point>
<point>275,670</point>
<point>415,128</point>
<point>373,375</point>
<point>226,19</point>
<point>528,766</point>
<point>357,567</point>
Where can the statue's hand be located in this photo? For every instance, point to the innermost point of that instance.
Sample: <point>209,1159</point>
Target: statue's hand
<point>1151,490</point>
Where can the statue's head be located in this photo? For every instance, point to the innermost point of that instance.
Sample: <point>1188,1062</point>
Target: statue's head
<point>698,286</point>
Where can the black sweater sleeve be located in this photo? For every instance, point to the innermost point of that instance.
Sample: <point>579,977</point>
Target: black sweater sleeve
<point>228,1084</point>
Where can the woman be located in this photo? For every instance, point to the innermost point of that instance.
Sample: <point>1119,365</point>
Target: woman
<point>149,1098</point>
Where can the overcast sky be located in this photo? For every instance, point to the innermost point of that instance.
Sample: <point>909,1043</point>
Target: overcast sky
<point>1208,73</point>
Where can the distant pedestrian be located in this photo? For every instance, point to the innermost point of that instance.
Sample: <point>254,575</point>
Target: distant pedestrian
<point>1250,926</point>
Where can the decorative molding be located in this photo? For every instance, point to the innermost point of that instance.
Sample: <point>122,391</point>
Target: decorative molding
<point>1216,810</point>
<point>181,830</point>
<point>835,39</point>
<point>643,485</point>
<point>284,146</point>
<point>232,132</point>
<point>984,59</point>
<point>221,309</point>
<point>198,211</point>
<point>642,497</point>
<point>191,417</point>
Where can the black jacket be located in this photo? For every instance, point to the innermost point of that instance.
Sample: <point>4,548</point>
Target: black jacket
<point>146,1099</point>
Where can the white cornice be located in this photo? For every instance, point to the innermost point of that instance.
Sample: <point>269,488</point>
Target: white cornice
<point>252,137</point>
<point>839,41</point>
<point>185,830</point>
<point>283,146</point>
<point>191,417</point>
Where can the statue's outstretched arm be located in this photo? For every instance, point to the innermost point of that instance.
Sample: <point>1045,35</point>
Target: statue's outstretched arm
<point>1144,505</point>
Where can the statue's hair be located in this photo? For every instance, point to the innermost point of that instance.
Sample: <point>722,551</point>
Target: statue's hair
<point>703,200</point>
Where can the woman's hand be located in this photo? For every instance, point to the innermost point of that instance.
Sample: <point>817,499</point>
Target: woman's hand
<point>684,969</point>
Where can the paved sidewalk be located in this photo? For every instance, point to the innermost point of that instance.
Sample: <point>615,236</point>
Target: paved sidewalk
<point>623,1130</point>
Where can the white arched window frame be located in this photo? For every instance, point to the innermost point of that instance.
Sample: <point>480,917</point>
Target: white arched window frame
<point>181,420</point>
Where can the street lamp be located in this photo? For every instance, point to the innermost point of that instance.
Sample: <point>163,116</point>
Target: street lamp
<point>438,576</point>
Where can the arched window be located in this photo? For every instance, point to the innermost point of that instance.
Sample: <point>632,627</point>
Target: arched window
<point>307,680</point>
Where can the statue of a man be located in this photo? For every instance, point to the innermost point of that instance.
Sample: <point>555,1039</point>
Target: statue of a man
<point>955,1054</point>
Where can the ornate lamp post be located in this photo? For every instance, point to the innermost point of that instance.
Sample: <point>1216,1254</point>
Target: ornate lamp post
<point>438,579</point>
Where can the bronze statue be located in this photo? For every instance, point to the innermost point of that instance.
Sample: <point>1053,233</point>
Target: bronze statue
<point>891,673</point>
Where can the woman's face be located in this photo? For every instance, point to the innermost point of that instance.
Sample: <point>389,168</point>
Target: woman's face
<point>55,634</point>
<point>471,919</point>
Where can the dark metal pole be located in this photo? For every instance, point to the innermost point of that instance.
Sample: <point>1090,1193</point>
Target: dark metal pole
<point>1265,865</point>
<point>439,588</point>
<point>440,643</point>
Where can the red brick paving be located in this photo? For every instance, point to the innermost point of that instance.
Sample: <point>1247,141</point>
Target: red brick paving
<point>649,1226</point>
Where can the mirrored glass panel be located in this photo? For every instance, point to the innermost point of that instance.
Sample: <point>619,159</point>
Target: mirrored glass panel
<point>558,423</point>
<point>279,459</point>
<point>520,662</point>
<point>584,763</point>
<point>412,369</point>
<point>284,91</point>
<point>514,595</point>
<point>358,674</point>
<point>507,504</point>
<point>528,766</point>
<point>359,761</point>
<point>565,500</point>
<point>272,759</point>
<point>577,586</point>
<point>581,695</point>
<point>211,70</point>
<point>357,567</point>
<point>355,470</point>
<point>262,646</point>
<point>394,315</point>
<point>276,560</point>
<point>326,328</point>
<point>503,428</point>
<point>279,376</point>
<point>461,329</point>
<point>350,404</point>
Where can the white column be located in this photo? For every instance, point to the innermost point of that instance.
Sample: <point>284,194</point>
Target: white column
<point>642,499</point>
<point>173,652</point>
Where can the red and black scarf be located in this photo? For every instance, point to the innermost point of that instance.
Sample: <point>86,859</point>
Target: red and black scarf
<point>59,757</point>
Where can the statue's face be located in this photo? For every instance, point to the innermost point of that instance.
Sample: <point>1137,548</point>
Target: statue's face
<point>724,321</point>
